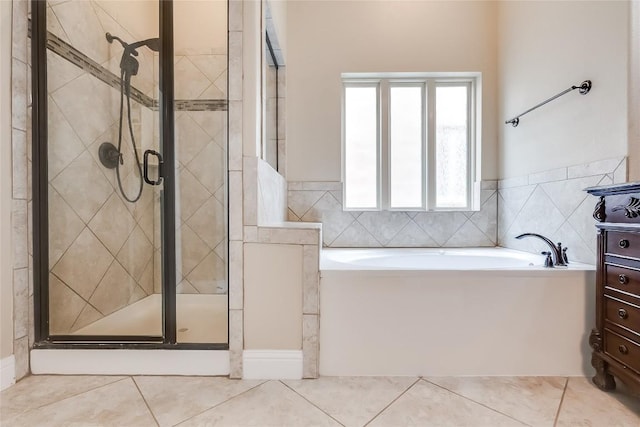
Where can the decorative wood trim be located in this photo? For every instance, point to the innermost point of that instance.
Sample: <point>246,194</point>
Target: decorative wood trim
<point>595,341</point>
<point>599,212</point>
<point>631,210</point>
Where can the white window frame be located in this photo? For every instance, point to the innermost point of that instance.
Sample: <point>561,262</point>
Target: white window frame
<point>429,83</point>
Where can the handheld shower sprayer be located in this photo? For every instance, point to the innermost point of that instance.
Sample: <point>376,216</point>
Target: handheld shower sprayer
<point>110,155</point>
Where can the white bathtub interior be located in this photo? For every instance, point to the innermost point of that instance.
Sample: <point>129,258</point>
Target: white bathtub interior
<point>382,315</point>
<point>144,317</point>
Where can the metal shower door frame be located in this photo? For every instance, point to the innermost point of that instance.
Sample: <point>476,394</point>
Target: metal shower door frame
<point>42,336</point>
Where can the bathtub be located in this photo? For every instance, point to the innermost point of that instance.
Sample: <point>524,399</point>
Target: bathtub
<point>461,312</point>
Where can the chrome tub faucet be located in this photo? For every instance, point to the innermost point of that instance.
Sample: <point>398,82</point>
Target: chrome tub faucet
<point>558,254</point>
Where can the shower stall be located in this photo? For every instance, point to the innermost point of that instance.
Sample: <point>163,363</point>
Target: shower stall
<point>130,173</point>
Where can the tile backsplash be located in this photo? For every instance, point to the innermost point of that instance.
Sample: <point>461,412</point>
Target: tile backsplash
<point>322,202</point>
<point>553,203</point>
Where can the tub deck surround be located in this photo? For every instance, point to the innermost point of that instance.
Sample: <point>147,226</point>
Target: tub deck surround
<point>553,203</point>
<point>442,319</point>
<point>499,260</point>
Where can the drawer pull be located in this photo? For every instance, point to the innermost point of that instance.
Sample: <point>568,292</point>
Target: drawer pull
<point>622,313</point>
<point>623,349</point>
<point>623,243</point>
<point>623,279</point>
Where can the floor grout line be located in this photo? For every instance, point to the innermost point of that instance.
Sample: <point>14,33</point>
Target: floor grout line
<point>564,391</point>
<point>477,403</point>
<point>393,401</point>
<point>310,402</point>
<point>121,378</point>
<point>144,399</point>
<point>221,403</point>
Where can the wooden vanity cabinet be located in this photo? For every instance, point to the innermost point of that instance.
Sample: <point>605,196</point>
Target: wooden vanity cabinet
<point>616,338</point>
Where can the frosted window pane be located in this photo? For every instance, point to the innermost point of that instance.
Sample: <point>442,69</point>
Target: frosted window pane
<point>451,146</point>
<point>406,147</point>
<point>361,159</point>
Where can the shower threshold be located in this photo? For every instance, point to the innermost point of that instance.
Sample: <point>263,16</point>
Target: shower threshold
<point>201,318</point>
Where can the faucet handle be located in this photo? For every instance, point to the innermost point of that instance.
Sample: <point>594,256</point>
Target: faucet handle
<point>561,254</point>
<point>564,255</point>
<point>548,262</point>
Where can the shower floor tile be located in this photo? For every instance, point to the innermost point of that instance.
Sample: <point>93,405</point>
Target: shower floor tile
<point>201,318</point>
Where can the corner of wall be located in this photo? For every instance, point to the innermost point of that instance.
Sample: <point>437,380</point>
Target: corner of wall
<point>634,92</point>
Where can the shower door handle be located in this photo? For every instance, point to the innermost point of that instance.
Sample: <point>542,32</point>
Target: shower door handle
<point>146,167</point>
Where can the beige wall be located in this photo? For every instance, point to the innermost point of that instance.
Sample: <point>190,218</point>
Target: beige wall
<point>545,47</point>
<point>634,92</point>
<point>273,297</point>
<point>377,36</point>
<point>6,260</point>
<point>251,89</point>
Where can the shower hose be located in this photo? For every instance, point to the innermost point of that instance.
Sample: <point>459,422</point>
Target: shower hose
<point>125,91</point>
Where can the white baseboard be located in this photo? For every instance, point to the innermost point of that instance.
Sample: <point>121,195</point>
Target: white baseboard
<point>130,362</point>
<point>7,372</point>
<point>272,364</point>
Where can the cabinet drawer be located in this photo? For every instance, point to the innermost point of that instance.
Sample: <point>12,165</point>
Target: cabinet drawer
<point>622,278</point>
<point>622,314</point>
<point>622,349</point>
<point>623,243</point>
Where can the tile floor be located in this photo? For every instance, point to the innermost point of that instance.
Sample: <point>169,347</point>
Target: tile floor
<point>329,401</point>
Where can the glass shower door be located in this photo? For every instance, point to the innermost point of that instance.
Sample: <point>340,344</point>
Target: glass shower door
<point>200,81</point>
<point>105,246</point>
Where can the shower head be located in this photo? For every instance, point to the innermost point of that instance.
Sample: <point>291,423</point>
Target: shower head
<point>153,44</point>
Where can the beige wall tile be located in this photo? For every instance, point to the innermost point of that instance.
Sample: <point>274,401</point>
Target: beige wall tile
<point>19,95</point>
<point>209,223</point>
<point>83,186</point>
<point>64,306</point>
<point>235,65</point>
<point>236,275</point>
<point>209,167</point>
<point>114,290</point>
<point>113,224</point>
<point>209,276</point>
<point>19,228</point>
<point>20,302</point>
<point>83,264</point>
<point>310,280</point>
<point>19,153</point>
<point>21,354</point>
<point>236,342</point>
<point>310,345</point>
<point>64,226</point>
<point>235,205</point>
<point>136,253</point>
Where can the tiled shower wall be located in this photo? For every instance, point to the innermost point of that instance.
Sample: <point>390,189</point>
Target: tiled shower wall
<point>322,202</point>
<point>101,247</point>
<point>553,203</point>
<point>201,140</point>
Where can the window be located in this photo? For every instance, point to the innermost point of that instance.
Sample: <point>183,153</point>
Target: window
<point>409,142</point>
